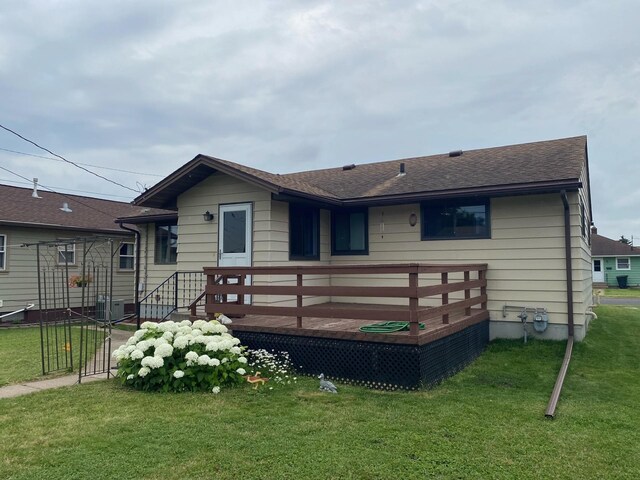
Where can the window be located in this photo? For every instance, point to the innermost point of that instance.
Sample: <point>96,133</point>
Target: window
<point>304,232</point>
<point>350,232</point>
<point>166,243</point>
<point>67,254</point>
<point>623,263</point>
<point>127,255</point>
<point>454,219</point>
<point>3,252</point>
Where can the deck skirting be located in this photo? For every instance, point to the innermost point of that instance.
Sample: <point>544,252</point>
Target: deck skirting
<point>387,366</point>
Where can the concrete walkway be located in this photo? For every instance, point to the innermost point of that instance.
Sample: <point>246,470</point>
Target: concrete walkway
<point>118,337</point>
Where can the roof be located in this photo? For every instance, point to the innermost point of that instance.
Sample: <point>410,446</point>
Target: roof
<point>535,167</point>
<point>19,207</point>
<point>604,247</point>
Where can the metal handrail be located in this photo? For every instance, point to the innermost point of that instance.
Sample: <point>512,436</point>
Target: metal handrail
<point>28,307</point>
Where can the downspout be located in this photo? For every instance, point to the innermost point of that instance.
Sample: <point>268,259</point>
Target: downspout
<point>555,394</point>
<point>137,275</point>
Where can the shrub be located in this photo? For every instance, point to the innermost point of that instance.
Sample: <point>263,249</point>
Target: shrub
<point>184,356</point>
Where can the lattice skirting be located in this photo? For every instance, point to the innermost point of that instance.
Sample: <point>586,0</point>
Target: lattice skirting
<point>377,365</point>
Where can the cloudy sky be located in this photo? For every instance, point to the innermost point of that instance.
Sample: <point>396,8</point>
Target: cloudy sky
<point>286,86</point>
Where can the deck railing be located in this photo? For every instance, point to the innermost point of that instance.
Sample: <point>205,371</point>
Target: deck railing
<point>473,278</point>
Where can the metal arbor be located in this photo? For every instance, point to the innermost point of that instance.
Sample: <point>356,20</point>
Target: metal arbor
<point>75,293</point>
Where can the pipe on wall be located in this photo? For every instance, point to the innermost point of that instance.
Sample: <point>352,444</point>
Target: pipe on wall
<point>137,274</point>
<point>557,388</point>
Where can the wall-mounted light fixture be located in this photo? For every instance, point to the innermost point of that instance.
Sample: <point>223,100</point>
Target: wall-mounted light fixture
<point>208,216</point>
<point>413,219</point>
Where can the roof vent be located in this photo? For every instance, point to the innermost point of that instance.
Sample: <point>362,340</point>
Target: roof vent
<point>402,170</point>
<point>35,189</point>
<point>65,208</point>
<point>349,167</point>
<point>455,153</point>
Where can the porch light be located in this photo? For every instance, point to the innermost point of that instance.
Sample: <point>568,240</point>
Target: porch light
<point>207,216</point>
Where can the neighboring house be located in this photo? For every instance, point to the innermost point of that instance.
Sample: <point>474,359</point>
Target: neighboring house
<point>503,206</point>
<point>612,259</point>
<point>26,219</point>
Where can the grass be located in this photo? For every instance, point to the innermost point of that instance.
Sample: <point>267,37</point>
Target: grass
<point>20,357</point>
<point>622,292</point>
<point>486,422</point>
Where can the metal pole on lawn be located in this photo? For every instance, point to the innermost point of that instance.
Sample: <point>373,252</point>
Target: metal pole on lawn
<point>108,325</point>
<point>40,305</point>
<point>82,311</point>
<point>68,312</point>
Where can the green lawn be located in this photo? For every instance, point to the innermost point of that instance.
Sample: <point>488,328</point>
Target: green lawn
<point>20,357</point>
<point>622,292</point>
<point>486,422</point>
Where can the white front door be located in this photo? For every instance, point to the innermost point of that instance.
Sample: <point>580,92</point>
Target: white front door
<point>598,272</point>
<point>234,238</point>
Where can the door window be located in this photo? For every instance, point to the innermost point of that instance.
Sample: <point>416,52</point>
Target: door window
<point>234,238</point>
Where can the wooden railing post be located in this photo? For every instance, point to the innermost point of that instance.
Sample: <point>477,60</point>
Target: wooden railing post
<point>241,281</point>
<point>299,299</point>
<point>467,292</point>
<point>414,327</point>
<point>482,275</point>
<point>445,296</point>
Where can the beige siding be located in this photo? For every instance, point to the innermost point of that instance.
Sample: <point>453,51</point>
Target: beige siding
<point>525,254</point>
<point>19,282</point>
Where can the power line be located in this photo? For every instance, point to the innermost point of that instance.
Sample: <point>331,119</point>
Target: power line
<point>85,164</point>
<point>68,161</point>
<point>75,198</point>
<point>64,188</point>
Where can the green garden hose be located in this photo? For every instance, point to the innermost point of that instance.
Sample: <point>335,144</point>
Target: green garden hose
<point>387,327</point>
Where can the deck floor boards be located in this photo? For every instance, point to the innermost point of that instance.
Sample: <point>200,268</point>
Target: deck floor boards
<point>348,329</point>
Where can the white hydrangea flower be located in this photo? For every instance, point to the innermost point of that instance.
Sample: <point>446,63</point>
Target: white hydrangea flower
<point>235,341</point>
<point>242,359</point>
<point>214,362</point>
<point>181,342</point>
<point>152,362</point>
<point>241,371</point>
<point>149,325</point>
<point>191,358</point>
<point>235,350</point>
<point>130,376</point>
<point>140,333</point>
<point>201,339</point>
<point>164,350</point>
<point>119,354</point>
<point>132,340</point>
<point>143,345</point>
<point>199,323</point>
<point>143,372</point>
<point>137,354</point>
<point>224,360</point>
<point>196,331</point>
<point>128,348</point>
<point>203,359</point>
<point>185,323</point>
<point>212,347</point>
<point>159,341</point>
<point>178,374</point>
<point>167,336</point>
<point>215,390</point>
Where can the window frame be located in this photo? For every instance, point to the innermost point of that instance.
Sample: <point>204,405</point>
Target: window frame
<point>349,211</point>
<point>132,257</point>
<point>3,253</point>
<point>302,211</point>
<point>455,202</point>
<point>70,248</point>
<point>628,259</point>
<point>156,254</point>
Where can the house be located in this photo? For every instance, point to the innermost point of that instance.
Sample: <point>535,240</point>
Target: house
<point>613,259</point>
<point>31,216</point>
<point>522,210</point>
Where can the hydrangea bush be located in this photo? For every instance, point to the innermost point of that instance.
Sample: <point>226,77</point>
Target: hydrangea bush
<point>184,356</point>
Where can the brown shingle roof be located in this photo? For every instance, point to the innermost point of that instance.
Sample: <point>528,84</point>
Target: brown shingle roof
<point>603,246</point>
<point>551,165</point>
<point>18,207</point>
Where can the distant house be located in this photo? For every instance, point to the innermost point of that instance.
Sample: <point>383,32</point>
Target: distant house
<point>504,207</point>
<point>28,217</point>
<point>612,259</point>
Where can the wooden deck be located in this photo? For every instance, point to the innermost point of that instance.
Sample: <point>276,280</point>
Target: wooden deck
<point>348,329</point>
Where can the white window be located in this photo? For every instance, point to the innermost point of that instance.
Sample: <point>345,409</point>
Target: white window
<point>623,263</point>
<point>3,252</point>
<point>127,256</point>
<point>67,254</point>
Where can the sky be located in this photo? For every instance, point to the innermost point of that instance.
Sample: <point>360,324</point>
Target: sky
<point>133,90</point>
